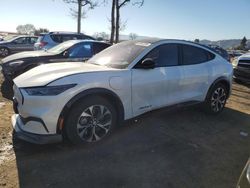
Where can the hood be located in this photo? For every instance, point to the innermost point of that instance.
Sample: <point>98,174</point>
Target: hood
<point>245,57</point>
<point>44,74</point>
<point>23,55</point>
<point>4,42</point>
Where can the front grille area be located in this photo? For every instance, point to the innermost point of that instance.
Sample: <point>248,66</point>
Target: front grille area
<point>241,74</point>
<point>244,63</point>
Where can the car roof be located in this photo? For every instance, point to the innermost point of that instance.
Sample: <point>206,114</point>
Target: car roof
<point>86,40</point>
<point>151,41</point>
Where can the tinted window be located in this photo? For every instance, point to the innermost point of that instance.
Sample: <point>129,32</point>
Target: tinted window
<point>195,55</point>
<point>97,47</point>
<point>80,51</point>
<point>164,55</point>
<point>56,38</point>
<point>33,40</point>
<point>22,40</point>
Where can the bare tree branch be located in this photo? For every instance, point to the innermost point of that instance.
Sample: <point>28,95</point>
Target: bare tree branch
<point>79,14</point>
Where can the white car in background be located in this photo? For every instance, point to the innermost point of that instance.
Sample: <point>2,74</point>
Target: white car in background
<point>242,68</point>
<point>86,101</point>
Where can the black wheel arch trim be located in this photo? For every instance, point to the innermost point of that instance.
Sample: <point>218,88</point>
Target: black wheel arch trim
<point>218,80</point>
<point>90,92</point>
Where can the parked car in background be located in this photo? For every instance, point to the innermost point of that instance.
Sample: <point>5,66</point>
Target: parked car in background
<point>17,44</point>
<point>242,68</point>
<point>221,51</point>
<point>235,53</point>
<point>244,180</point>
<point>85,101</point>
<point>51,39</point>
<point>74,50</point>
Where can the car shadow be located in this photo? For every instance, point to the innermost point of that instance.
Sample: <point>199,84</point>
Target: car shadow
<point>181,147</point>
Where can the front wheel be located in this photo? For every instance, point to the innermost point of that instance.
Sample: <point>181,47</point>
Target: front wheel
<point>4,52</point>
<point>216,99</point>
<point>90,120</point>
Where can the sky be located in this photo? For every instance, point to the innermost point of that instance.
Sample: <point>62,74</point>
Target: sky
<point>178,19</point>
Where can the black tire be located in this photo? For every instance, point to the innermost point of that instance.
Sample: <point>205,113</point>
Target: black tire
<point>4,51</point>
<point>216,99</point>
<point>80,126</point>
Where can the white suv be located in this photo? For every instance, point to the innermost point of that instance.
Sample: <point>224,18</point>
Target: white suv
<point>84,102</point>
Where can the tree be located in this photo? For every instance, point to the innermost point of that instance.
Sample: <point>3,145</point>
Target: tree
<point>112,34</point>
<point>119,4</point>
<point>243,43</point>
<point>133,36</point>
<point>115,17</point>
<point>79,14</point>
<point>197,41</point>
<point>40,30</point>
<point>26,29</point>
<point>101,36</point>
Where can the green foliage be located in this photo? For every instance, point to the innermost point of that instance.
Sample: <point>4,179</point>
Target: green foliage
<point>243,44</point>
<point>197,41</point>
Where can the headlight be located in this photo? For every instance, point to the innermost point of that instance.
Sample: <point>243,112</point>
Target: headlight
<point>48,90</point>
<point>235,62</point>
<point>15,63</point>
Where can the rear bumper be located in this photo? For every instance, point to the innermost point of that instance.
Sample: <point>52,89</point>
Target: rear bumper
<point>30,137</point>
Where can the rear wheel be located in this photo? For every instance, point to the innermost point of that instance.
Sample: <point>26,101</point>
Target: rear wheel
<point>216,99</point>
<point>90,120</point>
<point>4,51</point>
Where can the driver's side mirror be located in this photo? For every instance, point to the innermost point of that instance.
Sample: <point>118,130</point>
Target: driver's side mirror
<point>147,63</point>
<point>66,53</point>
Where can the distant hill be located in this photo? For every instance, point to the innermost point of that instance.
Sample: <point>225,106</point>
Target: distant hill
<point>226,44</point>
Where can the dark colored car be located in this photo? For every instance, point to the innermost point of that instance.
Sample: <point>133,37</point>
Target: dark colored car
<point>70,51</point>
<point>242,69</point>
<point>17,44</point>
<point>244,181</point>
<point>220,51</point>
<point>51,39</point>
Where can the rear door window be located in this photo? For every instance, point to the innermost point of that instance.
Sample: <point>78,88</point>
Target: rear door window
<point>33,40</point>
<point>195,55</point>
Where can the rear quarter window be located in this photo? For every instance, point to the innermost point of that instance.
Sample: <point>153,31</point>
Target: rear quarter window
<point>98,47</point>
<point>195,55</point>
<point>56,38</point>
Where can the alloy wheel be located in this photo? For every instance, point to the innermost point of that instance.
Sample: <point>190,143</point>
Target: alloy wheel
<point>4,52</point>
<point>218,99</point>
<point>94,123</point>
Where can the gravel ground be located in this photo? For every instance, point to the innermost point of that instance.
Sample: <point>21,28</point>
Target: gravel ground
<point>174,148</point>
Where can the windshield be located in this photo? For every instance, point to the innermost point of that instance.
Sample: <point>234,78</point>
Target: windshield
<point>61,47</point>
<point>10,37</point>
<point>120,55</point>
